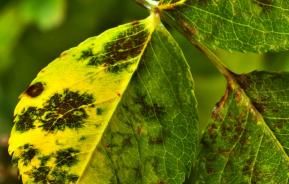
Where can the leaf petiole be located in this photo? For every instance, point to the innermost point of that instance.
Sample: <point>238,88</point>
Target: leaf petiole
<point>148,4</point>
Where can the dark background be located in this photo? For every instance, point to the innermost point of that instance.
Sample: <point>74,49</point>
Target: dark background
<point>34,32</point>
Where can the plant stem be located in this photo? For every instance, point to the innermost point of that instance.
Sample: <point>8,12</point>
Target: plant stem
<point>148,4</point>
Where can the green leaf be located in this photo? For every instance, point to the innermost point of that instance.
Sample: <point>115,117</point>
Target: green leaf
<point>247,140</point>
<point>242,25</point>
<point>118,108</point>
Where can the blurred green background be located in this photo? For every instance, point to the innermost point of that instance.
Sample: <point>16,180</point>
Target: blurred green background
<point>34,32</point>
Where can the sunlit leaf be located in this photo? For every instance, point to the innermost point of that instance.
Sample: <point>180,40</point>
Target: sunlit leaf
<point>118,108</point>
<point>247,140</point>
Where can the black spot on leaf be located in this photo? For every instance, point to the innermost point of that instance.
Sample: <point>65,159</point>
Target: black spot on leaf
<point>44,160</point>
<point>72,178</point>
<point>28,153</point>
<point>86,54</point>
<point>25,121</point>
<point>35,89</point>
<point>66,110</point>
<point>67,157</point>
<point>150,110</point>
<point>99,111</point>
<point>82,138</point>
<point>126,45</point>
<point>119,67</point>
<point>15,160</point>
<point>62,110</point>
<point>94,61</point>
<point>40,174</point>
<point>62,176</point>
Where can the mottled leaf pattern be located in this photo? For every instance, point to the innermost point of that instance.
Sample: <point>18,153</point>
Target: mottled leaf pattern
<point>118,108</point>
<point>152,137</point>
<point>242,25</point>
<point>247,140</point>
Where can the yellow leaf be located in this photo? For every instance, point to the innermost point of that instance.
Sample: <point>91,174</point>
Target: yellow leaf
<point>72,100</point>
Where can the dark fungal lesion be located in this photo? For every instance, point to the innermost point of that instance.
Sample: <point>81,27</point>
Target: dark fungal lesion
<point>119,67</point>
<point>62,176</point>
<point>150,110</point>
<point>46,174</point>
<point>86,54</point>
<point>44,159</point>
<point>28,153</point>
<point>94,61</point>
<point>40,174</point>
<point>99,111</point>
<point>35,89</point>
<point>25,121</point>
<point>66,110</point>
<point>61,111</point>
<point>15,160</point>
<point>125,45</point>
<point>82,138</point>
<point>63,159</point>
<point>67,157</point>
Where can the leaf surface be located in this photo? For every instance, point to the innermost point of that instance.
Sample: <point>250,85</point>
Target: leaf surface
<point>242,25</point>
<point>247,140</point>
<point>118,108</point>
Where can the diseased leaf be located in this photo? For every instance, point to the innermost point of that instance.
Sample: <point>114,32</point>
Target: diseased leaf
<point>247,140</point>
<point>92,117</point>
<point>242,25</point>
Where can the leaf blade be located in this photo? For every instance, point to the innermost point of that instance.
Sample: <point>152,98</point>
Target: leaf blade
<point>98,95</point>
<point>153,130</point>
<point>246,26</point>
<point>63,108</point>
<point>241,145</point>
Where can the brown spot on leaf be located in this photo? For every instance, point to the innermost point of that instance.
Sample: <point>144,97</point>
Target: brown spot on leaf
<point>259,106</point>
<point>128,44</point>
<point>226,129</point>
<point>127,141</point>
<point>187,28</point>
<point>35,90</point>
<point>244,81</point>
<point>212,131</point>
